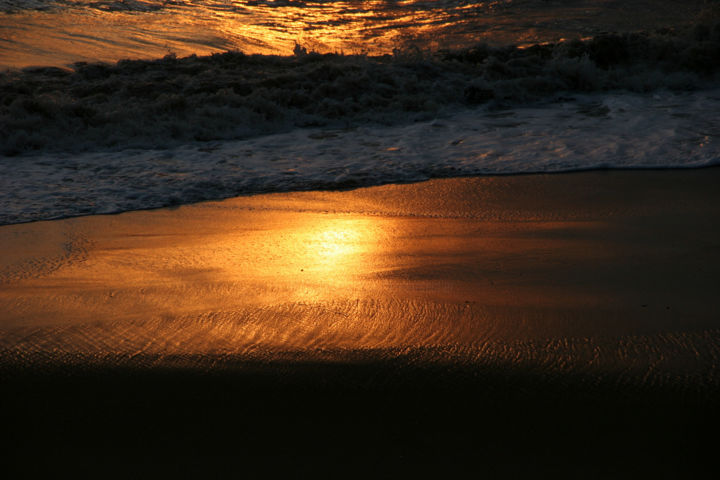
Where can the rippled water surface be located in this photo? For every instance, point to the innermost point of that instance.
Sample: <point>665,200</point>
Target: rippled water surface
<point>40,32</point>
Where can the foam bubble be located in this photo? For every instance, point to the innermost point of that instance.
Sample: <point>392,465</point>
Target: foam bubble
<point>586,131</point>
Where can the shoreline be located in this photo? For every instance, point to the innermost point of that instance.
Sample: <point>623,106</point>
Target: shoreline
<point>363,187</point>
<point>542,325</point>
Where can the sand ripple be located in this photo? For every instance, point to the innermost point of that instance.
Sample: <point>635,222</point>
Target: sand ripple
<point>407,335</point>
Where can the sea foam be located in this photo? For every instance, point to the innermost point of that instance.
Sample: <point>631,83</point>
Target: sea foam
<point>621,130</point>
<point>231,96</point>
<point>104,138</point>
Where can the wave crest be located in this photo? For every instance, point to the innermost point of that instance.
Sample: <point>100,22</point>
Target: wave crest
<point>172,101</point>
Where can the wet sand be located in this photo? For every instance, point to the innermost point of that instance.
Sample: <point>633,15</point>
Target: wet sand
<point>563,325</point>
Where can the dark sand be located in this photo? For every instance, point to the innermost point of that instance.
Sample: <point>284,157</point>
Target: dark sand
<point>563,326</point>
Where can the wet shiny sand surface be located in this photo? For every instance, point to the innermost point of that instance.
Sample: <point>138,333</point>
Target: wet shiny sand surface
<point>555,325</point>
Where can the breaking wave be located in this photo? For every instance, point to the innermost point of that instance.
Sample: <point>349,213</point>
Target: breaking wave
<point>102,138</point>
<point>230,96</point>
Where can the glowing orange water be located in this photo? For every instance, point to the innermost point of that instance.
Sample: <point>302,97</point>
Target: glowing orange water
<point>110,31</point>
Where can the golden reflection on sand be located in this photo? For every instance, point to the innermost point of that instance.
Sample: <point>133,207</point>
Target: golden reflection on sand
<point>530,275</point>
<point>335,247</point>
<point>318,255</point>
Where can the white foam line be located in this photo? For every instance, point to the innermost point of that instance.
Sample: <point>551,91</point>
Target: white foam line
<point>620,130</point>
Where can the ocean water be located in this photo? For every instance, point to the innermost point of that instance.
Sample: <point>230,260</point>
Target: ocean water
<point>108,106</point>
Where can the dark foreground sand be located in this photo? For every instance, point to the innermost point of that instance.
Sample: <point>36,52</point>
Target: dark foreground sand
<point>563,326</point>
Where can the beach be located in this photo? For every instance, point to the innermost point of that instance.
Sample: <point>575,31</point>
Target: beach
<point>504,326</point>
<point>299,239</point>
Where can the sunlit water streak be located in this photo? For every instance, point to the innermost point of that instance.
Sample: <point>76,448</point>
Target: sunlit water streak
<point>59,33</point>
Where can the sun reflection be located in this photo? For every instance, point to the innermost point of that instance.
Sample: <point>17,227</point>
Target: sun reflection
<point>313,255</point>
<point>336,247</point>
<point>108,31</point>
<point>252,26</point>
